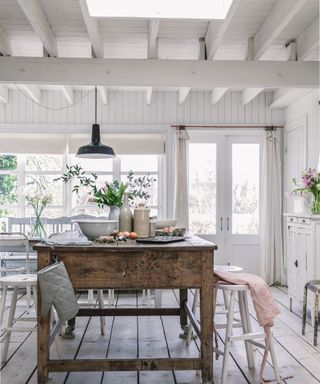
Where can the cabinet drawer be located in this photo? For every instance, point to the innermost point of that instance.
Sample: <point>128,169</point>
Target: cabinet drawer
<point>291,219</point>
<point>302,220</point>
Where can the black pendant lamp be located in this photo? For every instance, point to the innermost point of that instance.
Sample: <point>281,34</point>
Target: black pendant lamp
<point>95,149</point>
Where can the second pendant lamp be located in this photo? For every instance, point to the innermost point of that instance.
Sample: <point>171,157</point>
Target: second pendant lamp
<point>95,149</point>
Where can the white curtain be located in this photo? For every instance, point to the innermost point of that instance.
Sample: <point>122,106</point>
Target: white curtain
<point>272,266</point>
<point>181,199</point>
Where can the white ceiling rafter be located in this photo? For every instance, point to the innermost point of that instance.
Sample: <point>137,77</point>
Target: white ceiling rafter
<point>214,37</point>
<point>148,95</point>
<point>93,30</point>
<point>103,94</point>
<point>217,94</point>
<point>34,13</point>
<point>160,73</point>
<point>32,91</point>
<point>39,23</point>
<point>153,32</point>
<point>4,94</point>
<point>5,47</point>
<point>68,93</point>
<point>249,94</point>
<point>308,41</point>
<point>280,16</point>
<point>282,98</point>
<point>183,94</point>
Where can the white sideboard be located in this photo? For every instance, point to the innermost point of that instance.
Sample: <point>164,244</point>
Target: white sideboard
<point>303,254</point>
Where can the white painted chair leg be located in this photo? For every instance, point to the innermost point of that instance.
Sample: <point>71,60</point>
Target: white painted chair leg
<point>246,327</point>
<point>28,289</point>
<point>3,302</point>
<point>101,306</point>
<point>274,360</point>
<point>9,324</point>
<point>148,298</point>
<point>227,339</point>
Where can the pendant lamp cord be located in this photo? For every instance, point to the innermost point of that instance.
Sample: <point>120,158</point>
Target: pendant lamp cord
<point>95,105</point>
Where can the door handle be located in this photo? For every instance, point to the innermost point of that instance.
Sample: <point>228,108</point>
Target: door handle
<point>296,263</point>
<point>228,226</point>
<point>221,223</point>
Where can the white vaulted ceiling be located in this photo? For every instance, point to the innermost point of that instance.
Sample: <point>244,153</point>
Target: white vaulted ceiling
<point>250,31</point>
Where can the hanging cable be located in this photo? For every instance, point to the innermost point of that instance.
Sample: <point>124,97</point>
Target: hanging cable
<point>55,108</point>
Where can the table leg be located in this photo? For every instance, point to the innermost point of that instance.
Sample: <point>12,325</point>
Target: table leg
<point>183,313</point>
<point>206,317</point>
<point>43,326</point>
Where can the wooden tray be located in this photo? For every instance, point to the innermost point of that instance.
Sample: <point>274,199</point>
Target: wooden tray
<point>160,239</point>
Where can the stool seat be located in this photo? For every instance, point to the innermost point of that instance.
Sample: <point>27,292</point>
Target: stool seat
<point>17,280</point>
<point>313,285</point>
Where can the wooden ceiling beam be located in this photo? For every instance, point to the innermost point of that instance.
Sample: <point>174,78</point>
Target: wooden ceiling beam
<point>32,91</point>
<point>282,98</point>
<point>217,94</point>
<point>308,41</point>
<point>148,95</point>
<point>183,94</point>
<point>5,47</point>
<point>34,13</point>
<point>68,93</point>
<point>93,30</point>
<point>280,16</point>
<point>249,94</point>
<point>153,38</point>
<point>160,73</point>
<point>4,94</point>
<point>214,35</point>
<point>103,94</point>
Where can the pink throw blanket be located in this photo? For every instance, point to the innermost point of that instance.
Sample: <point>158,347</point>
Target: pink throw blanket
<point>264,304</point>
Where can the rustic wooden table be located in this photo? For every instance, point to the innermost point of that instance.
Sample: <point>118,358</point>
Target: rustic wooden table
<point>181,265</point>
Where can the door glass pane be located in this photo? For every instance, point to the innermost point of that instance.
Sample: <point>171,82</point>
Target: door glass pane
<point>202,188</point>
<point>245,189</point>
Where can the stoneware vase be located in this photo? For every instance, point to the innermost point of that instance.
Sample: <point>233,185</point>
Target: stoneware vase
<point>125,217</point>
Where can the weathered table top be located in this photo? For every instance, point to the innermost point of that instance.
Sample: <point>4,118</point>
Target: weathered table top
<point>188,244</point>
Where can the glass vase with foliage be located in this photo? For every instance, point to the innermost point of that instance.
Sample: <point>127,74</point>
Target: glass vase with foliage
<point>38,202</point>
<point>310,184</point>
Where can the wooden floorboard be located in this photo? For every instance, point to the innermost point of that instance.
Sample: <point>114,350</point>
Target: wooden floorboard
<point>158,336</point>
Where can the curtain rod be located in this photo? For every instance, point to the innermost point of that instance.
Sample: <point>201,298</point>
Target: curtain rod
<point>266,127</point>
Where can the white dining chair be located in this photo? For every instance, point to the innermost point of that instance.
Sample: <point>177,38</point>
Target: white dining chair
<point>15,245</point>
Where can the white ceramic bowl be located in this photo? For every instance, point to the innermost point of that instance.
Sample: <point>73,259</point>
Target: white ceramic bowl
<point>160,224</point>
<point>96,228</point>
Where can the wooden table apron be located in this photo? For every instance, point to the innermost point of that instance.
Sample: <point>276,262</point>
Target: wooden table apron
<point>184,265</point>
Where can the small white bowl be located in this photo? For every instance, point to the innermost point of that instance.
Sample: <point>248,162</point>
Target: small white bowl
<point>93,229</point>
<point>160,224</point>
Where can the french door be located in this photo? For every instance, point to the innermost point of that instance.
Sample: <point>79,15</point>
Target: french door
<point>224,195</point>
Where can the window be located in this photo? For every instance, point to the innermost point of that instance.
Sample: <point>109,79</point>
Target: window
<point>245,189</point>
<point>143,165</point>
<point>8,186</point>
<point>23,175</point>
<point>40,174</point>
<point>202,188</point>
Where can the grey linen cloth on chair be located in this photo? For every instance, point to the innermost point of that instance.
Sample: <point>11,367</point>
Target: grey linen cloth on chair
<point>57,290</point>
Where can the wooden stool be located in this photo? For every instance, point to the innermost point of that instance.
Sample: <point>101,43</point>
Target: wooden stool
<point>247,336</point>
<point>314,286</point>
<point>15,281</point>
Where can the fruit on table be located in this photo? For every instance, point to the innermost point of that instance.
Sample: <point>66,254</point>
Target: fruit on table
<point>126,234</point>
<point>120,234</point>
<point>133,235</point>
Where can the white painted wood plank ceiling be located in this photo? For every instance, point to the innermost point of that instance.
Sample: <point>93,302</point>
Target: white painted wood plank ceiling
<point>175,39</point>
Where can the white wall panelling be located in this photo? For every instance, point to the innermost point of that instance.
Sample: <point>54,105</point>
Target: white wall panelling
<point>130,108</point>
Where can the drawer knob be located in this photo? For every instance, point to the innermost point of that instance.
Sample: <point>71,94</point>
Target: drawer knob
<point>291,219</point>
<point>296,263</point>
<point>303,220</point>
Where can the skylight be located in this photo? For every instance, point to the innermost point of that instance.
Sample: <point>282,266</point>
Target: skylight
<point>160,9</point>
